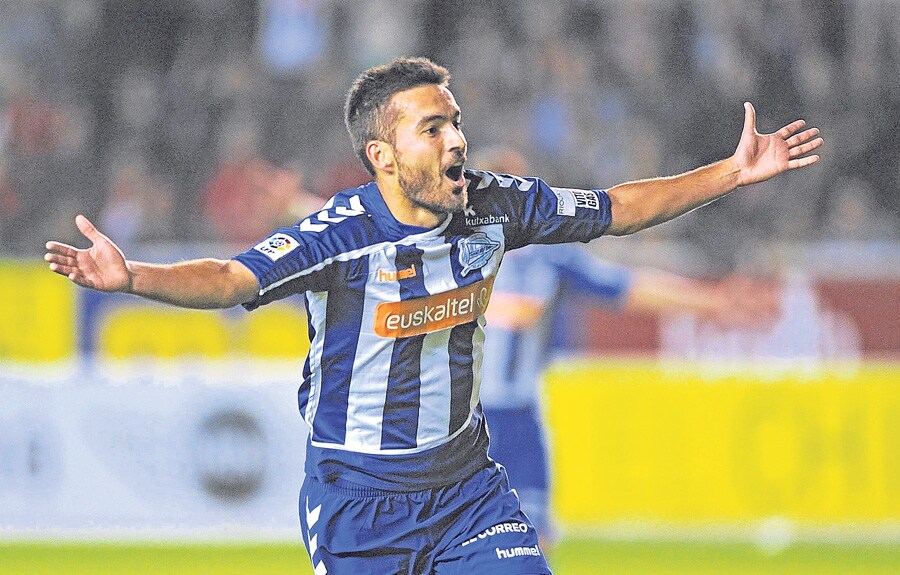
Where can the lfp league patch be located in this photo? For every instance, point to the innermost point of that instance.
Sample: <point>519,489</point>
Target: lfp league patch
<point>277,246</point>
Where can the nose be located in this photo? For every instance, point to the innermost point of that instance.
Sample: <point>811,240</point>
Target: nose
<point>456,140</point>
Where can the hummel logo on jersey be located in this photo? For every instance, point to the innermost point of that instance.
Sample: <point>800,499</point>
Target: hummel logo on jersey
<point>475,251</point>
<point>392,276</point>
<point>312,517</point>
<point>331,214</point>
<point>277,246</point>
<point>534,551</point>
<point>504,181</point>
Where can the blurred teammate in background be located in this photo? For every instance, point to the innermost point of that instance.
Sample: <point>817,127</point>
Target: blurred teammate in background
<point>526,295</point>
<point>396,276</point>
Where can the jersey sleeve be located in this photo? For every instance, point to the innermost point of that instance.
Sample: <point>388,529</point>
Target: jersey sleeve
<point>608,282</point>
<point>287,262</point>
<point>542,214</point>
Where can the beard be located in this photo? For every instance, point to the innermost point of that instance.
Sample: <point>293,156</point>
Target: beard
<point>428,189</point>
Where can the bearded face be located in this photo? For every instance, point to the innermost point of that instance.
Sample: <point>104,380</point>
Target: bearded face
<point>426,184</point>
<point>430,149</point>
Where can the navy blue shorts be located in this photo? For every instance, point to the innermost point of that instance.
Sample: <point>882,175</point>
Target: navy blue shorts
<point>518,443</point>
<point>470,528</point>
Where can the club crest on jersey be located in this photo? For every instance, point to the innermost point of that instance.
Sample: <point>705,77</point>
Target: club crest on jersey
<point>475,251</point>
<point>277,246</point>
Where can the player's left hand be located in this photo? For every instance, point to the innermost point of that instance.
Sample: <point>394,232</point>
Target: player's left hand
<point>762,156</point>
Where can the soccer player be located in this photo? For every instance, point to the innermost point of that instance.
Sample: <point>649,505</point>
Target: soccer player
<point>528,290</point>
<point>396,276</point>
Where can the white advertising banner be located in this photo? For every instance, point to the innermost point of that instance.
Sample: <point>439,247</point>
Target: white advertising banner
<point>190,448</point>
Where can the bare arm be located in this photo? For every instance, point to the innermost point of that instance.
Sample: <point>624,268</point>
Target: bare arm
<point>758,157</point>
<point>735,301</point>
<point>200,284</point>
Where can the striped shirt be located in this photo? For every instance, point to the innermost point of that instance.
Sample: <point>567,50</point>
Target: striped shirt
<point>396,321</point>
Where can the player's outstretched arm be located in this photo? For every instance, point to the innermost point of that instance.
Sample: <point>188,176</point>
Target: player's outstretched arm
<point>202,284</point>
<point>758,157</point>
<point>735,301</point>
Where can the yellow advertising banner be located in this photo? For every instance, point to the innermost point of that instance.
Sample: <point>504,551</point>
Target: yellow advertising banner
<point>648,441</point>
<point>37,314</point>
<point>142,330</point>
<point>45,318</point>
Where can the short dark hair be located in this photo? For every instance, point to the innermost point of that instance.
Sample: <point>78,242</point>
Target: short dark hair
<point>365,111</point>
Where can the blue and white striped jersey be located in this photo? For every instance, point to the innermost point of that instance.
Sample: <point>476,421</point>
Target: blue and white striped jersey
<point>528,290</point>
<point>396,321</point>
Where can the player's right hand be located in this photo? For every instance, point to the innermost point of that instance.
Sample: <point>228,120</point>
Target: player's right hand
<point>101,266</point>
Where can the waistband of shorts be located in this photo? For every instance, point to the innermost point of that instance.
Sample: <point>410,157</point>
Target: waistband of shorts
<point>350,489</point>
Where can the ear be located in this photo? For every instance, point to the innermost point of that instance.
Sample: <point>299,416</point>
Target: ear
<point>381,155</point>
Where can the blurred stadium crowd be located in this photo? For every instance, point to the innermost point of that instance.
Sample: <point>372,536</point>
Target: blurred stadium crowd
<point>208,120</point>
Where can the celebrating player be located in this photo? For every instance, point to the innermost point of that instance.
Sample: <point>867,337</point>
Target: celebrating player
<point>396,276</point>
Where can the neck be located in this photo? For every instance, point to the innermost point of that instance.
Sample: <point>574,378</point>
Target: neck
<point>403,209</point>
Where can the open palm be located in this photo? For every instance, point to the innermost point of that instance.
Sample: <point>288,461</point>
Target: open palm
<point>762,156</point>
<point>101,266</point>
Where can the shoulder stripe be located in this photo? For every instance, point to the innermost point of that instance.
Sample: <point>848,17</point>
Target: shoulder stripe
<point>358,253</point>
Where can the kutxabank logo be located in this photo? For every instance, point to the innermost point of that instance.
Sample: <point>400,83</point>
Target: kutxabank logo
<point>475,251</point>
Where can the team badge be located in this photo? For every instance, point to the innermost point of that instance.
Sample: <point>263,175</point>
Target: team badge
<point>475,251</point>
<point>277,246</point>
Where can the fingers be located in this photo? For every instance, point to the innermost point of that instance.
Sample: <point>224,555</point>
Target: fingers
<point>87,228</point>
<point>71,272</point>
<point>62,249</point>
<point>61,259</point>
<point>802,149</point>
<point>802,137</point>
<point>802,162</point>
<point>802,144</point>
<point>749,118</point>
<point>64,261</point>
<point>786,131</point>
<point>65,265</point>
<point>63,269</point>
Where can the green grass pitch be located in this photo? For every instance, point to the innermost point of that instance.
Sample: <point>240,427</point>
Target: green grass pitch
<point>571,557</point>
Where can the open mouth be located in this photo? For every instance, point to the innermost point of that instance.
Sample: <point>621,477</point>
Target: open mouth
<point>455,173</point>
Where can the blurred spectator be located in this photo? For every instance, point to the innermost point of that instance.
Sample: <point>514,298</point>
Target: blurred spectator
<point>292,34</point>
<point>602,90</point>
<point>9,208</point>
<point>139,206</point>
<point>36,128</point>
<point>344,173</point>
<point>853,214</point>
<point>248,197</point>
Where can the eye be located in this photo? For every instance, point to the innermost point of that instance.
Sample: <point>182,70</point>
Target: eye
<point>432,130</point>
